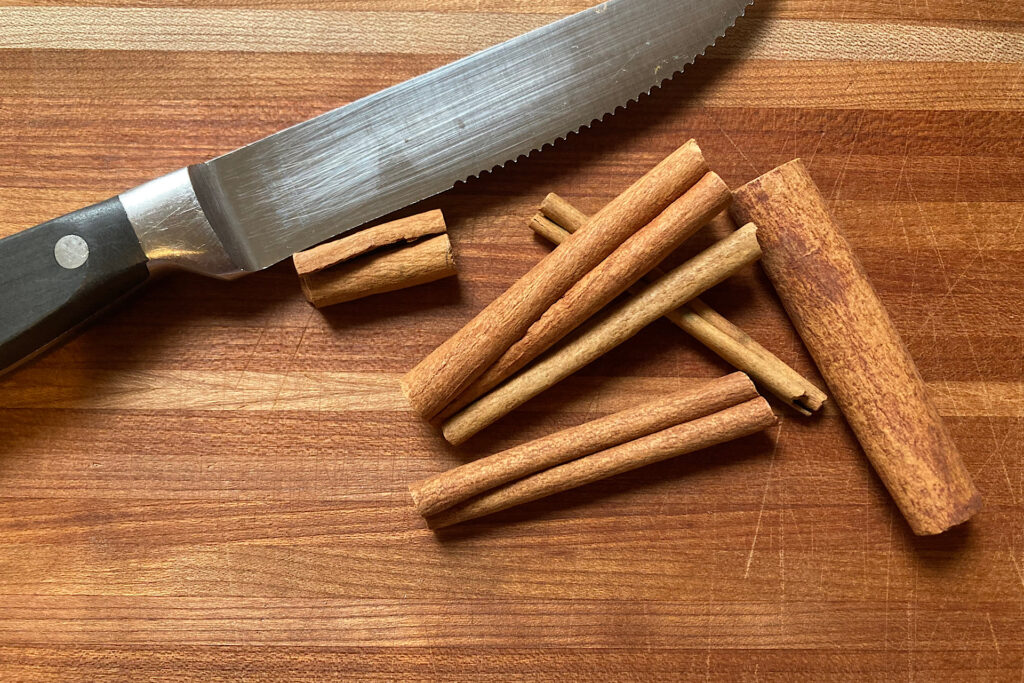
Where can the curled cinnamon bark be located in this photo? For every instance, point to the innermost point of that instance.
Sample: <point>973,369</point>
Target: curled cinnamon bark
<point>376,260</point>
<point>607,331</point>
<point>558,218</point>
<point>447,489</point>
<point>623,267</point>
<point>725,425</point>
<point>456,363</point>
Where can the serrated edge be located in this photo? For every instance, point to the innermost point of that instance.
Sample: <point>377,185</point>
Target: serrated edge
<point>624,106</point>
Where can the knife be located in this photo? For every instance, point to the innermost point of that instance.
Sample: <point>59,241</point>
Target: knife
<point>250,208</point>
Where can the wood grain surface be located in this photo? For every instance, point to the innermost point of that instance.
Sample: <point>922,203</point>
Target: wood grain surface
<point>210,482</point>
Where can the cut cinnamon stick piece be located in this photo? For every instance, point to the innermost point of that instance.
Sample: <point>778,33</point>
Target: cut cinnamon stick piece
<point>562,212</point>
<point>856,346</point>
<point>607,331</point>
<point>452,366</point>
<point>633,258</point>
<point>444,490</point>
<point>731,423</point>
<point>347,248</point>
<point>698,319</point>
<point>548,229</point>
<point>379,272</point>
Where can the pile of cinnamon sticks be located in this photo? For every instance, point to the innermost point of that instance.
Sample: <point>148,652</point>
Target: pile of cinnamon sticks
<point>501,358</point>
<point>721,410</point>
<point>560,316</point>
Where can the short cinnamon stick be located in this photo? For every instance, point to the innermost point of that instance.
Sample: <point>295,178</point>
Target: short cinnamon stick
<point>731,423</point>
<point>452,366</point>
<point>642,251</point>
<point>702,322</point>
<point>444,490</point>
<point>856,346</point>
<point>376,260</point>
<point>608,330</point>
<point>347,248</point>
<point>378,272</point>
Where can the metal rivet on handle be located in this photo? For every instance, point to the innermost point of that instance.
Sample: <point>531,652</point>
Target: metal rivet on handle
<point>71,251</point>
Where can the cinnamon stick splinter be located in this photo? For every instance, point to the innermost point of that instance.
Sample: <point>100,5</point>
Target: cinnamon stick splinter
<point>559,218</point>
<point>444,490</point>
<point>453,365</point>
<point>732,423</point>
<point>608,331</point>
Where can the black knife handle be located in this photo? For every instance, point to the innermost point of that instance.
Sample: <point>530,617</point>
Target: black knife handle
<point>57,275</point>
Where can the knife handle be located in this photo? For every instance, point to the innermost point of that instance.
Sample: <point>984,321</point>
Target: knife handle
<point>57,275</point>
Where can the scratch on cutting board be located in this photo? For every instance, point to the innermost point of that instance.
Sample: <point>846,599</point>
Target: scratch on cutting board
<point>731,141</point>
<point>1016,565</point>
<point>764,498</point>
<point>992,630</point>
<point>853,146</point>
<point>954,306</point>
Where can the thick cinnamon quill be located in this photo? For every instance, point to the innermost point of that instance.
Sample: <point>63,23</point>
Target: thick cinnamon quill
<point>857,348</point>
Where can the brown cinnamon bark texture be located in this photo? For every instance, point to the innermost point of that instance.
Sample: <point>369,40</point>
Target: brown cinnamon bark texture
<point>637,255</point>
<point>380,272</point>
<point>725,425</point>
<point>376,260</point>
<point>846,329</point>
<point>452,366</point>
<point>698,319</point>
<point>444,490</point>
<point>607,331</point>
<point>347,248</point>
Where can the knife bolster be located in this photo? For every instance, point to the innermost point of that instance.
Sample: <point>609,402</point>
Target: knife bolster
<point>173,228</point>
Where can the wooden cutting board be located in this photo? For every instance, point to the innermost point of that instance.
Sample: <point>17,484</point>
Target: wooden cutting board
<point>211,480</point>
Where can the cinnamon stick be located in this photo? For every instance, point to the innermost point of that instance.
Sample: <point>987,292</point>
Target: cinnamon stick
<point>451,367</point>
<point>731,423</point>
<point>371,262</point>
<point>444,490</point>
<point>608,331</point>
<point>562,212</point>
<point>856,346</point>
<point>702,322</point>
<point>347,248</point>
<point>624,266</point>
<point>379,272</point>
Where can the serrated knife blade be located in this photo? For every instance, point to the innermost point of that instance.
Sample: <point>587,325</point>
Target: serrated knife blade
<point>257,205</point>
<point>416,139</point>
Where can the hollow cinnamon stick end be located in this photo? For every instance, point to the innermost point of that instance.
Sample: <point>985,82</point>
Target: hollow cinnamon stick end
<point>547,228</point>
<point>855,345</point>
<point>810,402</point>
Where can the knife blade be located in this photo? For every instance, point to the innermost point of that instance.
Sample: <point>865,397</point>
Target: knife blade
<point>257,205</point>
